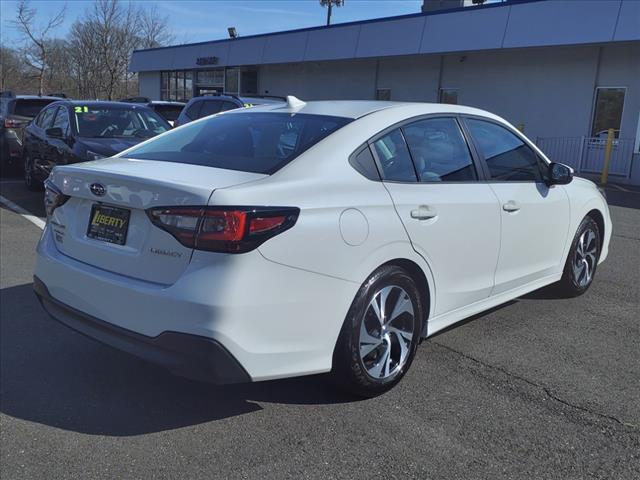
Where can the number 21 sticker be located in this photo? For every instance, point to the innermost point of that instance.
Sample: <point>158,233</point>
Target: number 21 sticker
<point>82,109</point>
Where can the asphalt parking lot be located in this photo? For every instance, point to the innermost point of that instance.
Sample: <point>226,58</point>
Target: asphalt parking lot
<point>539,388</point>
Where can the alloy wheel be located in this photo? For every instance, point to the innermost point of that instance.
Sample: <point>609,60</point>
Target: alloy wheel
<point>386,332</point>
<point>584,262</point>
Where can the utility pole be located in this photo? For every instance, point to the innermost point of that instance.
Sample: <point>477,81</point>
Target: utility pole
<point>329,4</point>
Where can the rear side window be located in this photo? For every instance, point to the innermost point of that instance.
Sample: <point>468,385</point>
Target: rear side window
<point>394,159</point>
<point>194,110</point>
<point>209,108</point>
<point>508,158</point>
<point>439,151</point>
<point>29,108</point>
<point>364,163</point>
<point>250,142</point>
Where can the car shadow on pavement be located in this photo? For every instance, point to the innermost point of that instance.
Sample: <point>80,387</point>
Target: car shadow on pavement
<point>55,376</point>
<point>627,196</point>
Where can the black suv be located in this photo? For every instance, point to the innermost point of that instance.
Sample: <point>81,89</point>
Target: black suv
<point>15,113</point>
<point>74,131</point>
<point>199,107</point>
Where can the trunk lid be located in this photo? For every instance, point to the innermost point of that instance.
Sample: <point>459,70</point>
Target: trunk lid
<point>148,253</point>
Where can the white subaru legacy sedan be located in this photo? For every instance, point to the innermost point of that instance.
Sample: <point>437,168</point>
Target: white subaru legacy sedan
<point>302,238</point>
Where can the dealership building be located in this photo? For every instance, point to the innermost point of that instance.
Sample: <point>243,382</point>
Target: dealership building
<point>564,71</point>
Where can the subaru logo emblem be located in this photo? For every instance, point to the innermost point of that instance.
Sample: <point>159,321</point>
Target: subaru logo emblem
<point>98,189</point>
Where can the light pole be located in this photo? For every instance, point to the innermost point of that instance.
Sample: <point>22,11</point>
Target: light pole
<point>329,4</point>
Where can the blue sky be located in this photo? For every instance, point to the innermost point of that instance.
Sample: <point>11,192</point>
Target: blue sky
<point>196,21</point>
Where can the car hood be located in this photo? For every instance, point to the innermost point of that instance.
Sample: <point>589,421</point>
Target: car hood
<point>109,146</point>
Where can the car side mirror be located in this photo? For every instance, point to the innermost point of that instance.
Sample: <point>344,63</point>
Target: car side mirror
<point>559,174</point>
<point>54,132</point>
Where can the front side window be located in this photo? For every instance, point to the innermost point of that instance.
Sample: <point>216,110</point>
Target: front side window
<point>394,158</point>
<point>607,112</point>
<point>62,121</point>
<point>439,150</point>
<point>46,119</point>
<point>250,142</point>
<point>108,122</point>
<point>508,158</point>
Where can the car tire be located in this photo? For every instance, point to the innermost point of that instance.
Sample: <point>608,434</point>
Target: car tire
<point>374,348</point>
<point>582,260</point>
<point>32,183</point>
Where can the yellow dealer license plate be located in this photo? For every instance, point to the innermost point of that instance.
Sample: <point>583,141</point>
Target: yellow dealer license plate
<point>109,224</point>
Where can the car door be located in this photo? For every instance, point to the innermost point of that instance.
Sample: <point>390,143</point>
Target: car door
<point>452,218</point>
<point>58,151</point>
<point>36,138</point>
<point>535,217</point>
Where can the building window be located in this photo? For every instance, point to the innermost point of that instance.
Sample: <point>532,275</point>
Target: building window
<point>383,94</point>
<point>607,111</point>
<point>448,95</point>
<point>231,81</point>
<point>214,78</point>
<point>176,86</point>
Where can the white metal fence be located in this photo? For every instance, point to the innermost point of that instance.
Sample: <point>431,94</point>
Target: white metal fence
<point>586,154</point>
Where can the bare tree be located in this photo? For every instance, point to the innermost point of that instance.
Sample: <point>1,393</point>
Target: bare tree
<point>10,69</point>
<point>36,39</point>
<point>153,29</point>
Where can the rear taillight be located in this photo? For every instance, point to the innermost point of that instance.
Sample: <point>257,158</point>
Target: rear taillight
<point>11,123</point>
<point>53,197</point>
<point>223,229</point>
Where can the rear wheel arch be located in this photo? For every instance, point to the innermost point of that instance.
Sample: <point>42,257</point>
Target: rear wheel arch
<point>418,275</point>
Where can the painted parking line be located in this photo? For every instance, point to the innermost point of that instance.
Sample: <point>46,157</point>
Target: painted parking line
<point>38,222</point>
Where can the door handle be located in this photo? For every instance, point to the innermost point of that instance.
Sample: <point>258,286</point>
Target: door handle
<point>423,212</point>
<point>511,206</point>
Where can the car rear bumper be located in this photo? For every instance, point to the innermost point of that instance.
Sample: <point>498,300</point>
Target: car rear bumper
<point>190,356</point>
<point>275,321</point>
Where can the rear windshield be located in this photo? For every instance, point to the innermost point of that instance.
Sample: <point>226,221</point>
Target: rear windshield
<point>109,122</point>
<point>29,108</point>
<point>169,112</point>
<point>251,142</point>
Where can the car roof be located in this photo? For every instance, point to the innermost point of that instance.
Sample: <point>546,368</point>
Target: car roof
<point>215,97</point>
<point>257,100</point>
<point>104,103</point>
<point>34,97</point>
<point>166,102</point>
<point>359,108</point>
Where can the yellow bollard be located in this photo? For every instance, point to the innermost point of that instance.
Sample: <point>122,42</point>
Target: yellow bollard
<point>607,157</point>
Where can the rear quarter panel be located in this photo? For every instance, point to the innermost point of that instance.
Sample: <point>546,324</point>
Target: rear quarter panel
<point>347,226</point>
